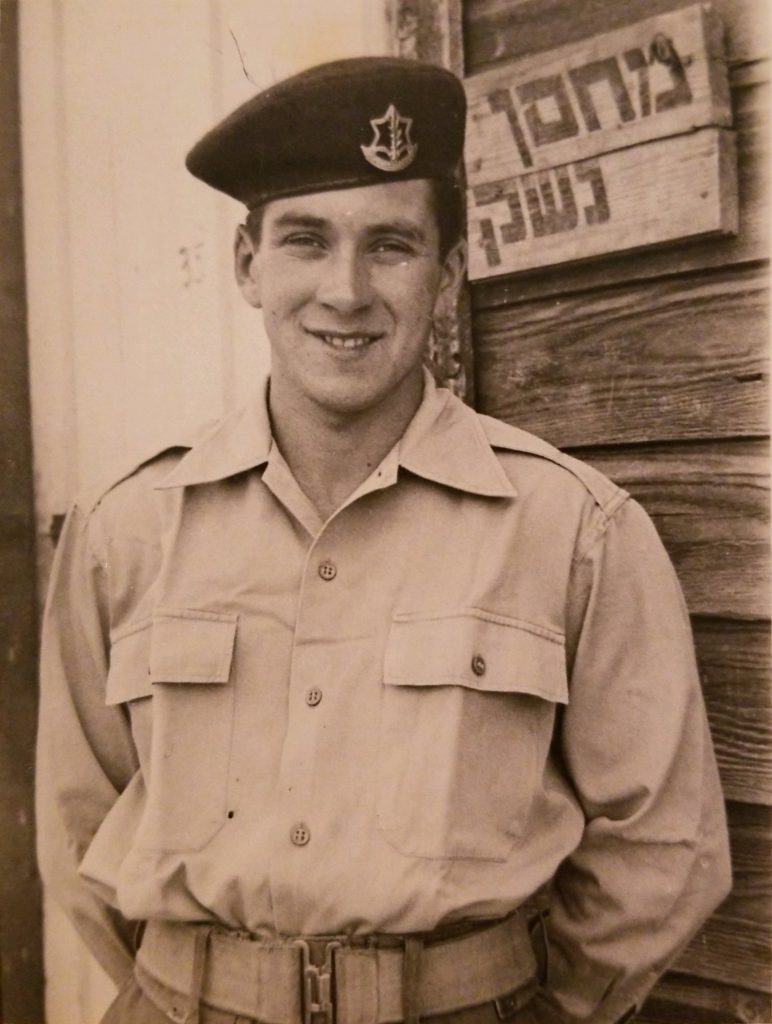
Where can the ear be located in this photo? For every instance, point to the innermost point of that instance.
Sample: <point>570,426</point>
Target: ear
<point>453,271</point>
<point>245,266</point>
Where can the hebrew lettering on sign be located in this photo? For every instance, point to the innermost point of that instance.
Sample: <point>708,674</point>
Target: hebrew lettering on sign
<point>546,136</point>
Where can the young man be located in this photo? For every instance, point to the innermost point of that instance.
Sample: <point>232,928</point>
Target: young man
<point>330,694</point>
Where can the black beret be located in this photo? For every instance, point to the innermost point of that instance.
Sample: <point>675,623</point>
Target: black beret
<point>340,125</point>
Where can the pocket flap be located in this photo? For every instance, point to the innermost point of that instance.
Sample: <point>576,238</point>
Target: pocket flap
<point>479,650</point>
<point>191,646</point>
<point>128,677</point>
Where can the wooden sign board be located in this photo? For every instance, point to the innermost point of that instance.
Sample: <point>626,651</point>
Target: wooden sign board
<point>610,144</point>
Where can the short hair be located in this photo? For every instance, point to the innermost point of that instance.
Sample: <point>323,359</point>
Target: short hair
<point>448,205</point>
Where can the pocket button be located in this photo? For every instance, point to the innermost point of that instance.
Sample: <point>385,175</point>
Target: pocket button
<point>300,834</point>
<point>478,665</point>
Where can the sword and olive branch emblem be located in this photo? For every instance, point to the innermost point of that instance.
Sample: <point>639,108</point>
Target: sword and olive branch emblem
<point>392,148</point>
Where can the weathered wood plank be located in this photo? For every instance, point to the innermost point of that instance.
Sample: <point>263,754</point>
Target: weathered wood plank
<point>733,659</point>
<point>661,192</point>
<point>655,78</point>
<point>428,30</point>
<point>730,950</point>
<point>495,30</point>
<point>754,73</point>
<point>555,163</point>
<point>678,999</point>
<point>734,668</point>
<point>710,503</point>
<point>751,121</point>
<point>733,947</point>
<point>679,359</point>
<point>750,831</point>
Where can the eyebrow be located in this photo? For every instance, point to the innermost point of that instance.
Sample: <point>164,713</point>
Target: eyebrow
<point>404,228</point>
<point>300,220</point>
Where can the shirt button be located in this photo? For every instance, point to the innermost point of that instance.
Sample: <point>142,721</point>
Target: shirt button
<point>327,570</point>
<point>300,834</point>
<point>313,696</point>
<point>478,665</point>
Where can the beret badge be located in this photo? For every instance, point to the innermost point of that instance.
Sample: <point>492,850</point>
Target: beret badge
<point>392,149</point>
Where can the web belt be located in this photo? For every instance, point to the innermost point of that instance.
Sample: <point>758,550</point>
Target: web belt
<point>332,980</point>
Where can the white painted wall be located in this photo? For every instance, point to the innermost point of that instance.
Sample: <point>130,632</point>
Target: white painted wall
<point>137,331</point>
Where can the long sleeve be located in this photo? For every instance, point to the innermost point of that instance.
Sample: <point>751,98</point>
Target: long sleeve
<point>653,861</point>
<point>85,752</point>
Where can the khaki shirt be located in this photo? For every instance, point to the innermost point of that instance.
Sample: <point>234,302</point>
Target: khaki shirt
<point>476,675</point>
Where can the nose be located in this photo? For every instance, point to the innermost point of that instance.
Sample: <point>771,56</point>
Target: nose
<point>345,284</point>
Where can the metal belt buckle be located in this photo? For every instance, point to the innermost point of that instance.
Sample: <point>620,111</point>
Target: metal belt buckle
<point>317,983</point>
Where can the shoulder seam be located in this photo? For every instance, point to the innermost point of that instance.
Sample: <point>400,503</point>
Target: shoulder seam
<point>89,499</point>
<point>529,444</point>
<point>595,535</point>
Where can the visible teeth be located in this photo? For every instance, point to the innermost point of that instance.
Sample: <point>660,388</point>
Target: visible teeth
<point>336,342</point>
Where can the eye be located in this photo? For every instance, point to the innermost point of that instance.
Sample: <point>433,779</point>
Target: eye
<point>392,250</point>
<point>304,243</point>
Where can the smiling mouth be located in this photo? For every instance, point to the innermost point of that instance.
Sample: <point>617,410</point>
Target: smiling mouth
<point>345,340</point>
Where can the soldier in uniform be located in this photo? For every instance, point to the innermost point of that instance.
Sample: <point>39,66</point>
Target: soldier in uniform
<point>332,689</point>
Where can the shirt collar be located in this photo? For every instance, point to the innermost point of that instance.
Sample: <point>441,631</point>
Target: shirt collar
<point>238,442</point>
<point>444,443</point>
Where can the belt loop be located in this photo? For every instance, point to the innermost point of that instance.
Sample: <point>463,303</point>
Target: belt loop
<point>411,980</point>
<point>200,950</point>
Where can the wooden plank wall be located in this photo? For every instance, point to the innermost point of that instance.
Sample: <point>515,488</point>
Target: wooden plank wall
<point>653,367</point>
<point>21,984</point>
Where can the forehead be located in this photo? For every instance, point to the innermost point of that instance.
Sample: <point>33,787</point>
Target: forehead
<point>407,202</point>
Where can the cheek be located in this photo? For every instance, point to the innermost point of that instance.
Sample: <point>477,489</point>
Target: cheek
<point>278,307</point>
<point>278,327</point>
<point>411,289</point>
<point>283,290</point>
<point>420,303</point>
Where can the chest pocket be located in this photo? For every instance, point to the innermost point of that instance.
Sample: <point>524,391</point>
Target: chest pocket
<point>187,672</point>
<point>466,723</point>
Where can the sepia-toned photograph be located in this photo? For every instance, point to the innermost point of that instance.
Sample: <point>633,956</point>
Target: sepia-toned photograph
<point>384,526</point>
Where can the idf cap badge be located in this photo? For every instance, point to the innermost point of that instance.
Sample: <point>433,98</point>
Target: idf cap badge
<point>392,148</point>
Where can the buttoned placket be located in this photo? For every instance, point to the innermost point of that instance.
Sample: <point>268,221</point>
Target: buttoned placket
<point>323,587</point>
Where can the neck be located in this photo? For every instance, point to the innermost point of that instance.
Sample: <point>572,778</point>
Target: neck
<point>331,453</point>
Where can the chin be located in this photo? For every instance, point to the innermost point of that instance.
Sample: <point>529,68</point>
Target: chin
<point>352,395</point>
<point>347,404</point>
